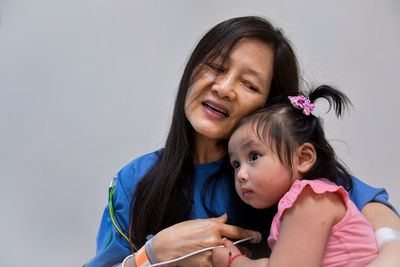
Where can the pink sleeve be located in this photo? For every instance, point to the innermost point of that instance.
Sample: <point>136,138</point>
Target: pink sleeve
<point>319,186</point>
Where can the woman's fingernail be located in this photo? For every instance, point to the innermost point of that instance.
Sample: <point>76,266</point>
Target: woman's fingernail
<point>257,237</point>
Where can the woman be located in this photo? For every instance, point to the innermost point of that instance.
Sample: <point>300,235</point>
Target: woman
<point>235,69</point>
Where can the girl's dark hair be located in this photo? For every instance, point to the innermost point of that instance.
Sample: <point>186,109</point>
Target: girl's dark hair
<point>285,128</point>
<point>164,196</point>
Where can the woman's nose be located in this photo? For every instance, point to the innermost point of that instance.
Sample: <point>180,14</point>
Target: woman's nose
<point>243,175</point>
<point>224,86</point>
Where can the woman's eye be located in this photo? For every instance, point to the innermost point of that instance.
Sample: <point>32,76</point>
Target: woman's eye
<point>217,68</point>
<point>254,156</point>
<point>250,86</point>
<point>235,164</point>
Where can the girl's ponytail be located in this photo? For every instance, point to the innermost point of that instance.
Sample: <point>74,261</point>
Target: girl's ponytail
<point>336,99</point>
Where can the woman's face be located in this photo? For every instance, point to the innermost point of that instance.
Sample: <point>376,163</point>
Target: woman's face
<point>224,93</point>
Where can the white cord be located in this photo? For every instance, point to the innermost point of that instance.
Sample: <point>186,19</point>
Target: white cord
<point>196,252</point>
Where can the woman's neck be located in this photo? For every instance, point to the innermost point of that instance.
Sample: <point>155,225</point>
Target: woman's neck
<point>207,150</point>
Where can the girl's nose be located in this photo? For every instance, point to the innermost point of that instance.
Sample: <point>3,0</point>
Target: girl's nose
<point>242,175</point>
<point>224,86</point>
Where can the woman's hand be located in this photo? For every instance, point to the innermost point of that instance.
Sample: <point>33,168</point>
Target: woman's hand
<point>189,236</point>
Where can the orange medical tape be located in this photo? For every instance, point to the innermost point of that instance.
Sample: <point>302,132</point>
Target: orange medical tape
<point>141,258</point>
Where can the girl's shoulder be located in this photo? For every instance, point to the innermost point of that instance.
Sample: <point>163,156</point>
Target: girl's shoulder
<point>318,186</point>
<point>316,193</point>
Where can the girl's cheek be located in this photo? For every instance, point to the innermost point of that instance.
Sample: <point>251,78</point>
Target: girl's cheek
<point>237,187</point>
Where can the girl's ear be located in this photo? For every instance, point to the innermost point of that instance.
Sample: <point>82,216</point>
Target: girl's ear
<point>306,157</point>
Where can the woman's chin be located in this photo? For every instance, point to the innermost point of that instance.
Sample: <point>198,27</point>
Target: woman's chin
<point>212,132</point>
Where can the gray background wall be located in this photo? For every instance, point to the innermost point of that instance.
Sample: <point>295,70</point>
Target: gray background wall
<point>88,85</point>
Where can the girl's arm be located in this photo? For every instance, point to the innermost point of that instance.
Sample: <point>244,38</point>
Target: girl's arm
<point>305,228</point>
<point>303,233</point>
<point>379,215</point>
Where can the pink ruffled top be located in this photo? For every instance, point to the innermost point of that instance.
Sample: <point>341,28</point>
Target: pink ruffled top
<point>351,241</point>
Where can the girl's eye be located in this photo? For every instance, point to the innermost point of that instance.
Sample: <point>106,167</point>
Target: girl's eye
<point>254,156</point>
<point>235,164</point>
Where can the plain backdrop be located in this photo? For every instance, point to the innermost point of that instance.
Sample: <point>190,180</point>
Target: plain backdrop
<point>88,85</point>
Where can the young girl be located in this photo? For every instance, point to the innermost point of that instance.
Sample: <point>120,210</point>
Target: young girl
<point>280,154</point>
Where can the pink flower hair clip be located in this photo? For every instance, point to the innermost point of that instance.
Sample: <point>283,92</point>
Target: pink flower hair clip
<point>303,103</point>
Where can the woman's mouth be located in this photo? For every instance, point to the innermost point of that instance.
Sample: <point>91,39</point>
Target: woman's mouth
<point>216,109</point>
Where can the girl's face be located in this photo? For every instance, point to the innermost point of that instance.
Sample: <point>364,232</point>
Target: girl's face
<point>261,179</point>
<point>223,94</point>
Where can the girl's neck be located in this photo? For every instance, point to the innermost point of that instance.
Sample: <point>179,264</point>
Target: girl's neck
<point>207,150</point>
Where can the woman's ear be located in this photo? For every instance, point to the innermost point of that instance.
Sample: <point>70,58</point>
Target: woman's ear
<point>306,157</point>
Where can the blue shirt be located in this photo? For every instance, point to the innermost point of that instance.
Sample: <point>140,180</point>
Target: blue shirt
<point>112,247</point>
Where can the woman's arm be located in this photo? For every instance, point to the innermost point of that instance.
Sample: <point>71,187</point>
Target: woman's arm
<point>374,205</point>
<point>172,242</point>
<point>379,215</point>
<point>189,236</point>
<point>129,263</point>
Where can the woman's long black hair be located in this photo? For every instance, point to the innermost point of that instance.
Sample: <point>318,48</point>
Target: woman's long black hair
<point>164,196</point>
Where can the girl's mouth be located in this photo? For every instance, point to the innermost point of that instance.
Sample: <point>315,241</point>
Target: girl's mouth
<point>246,192</point>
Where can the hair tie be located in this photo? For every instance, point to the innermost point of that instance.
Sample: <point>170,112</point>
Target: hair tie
<point>303,103</point>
